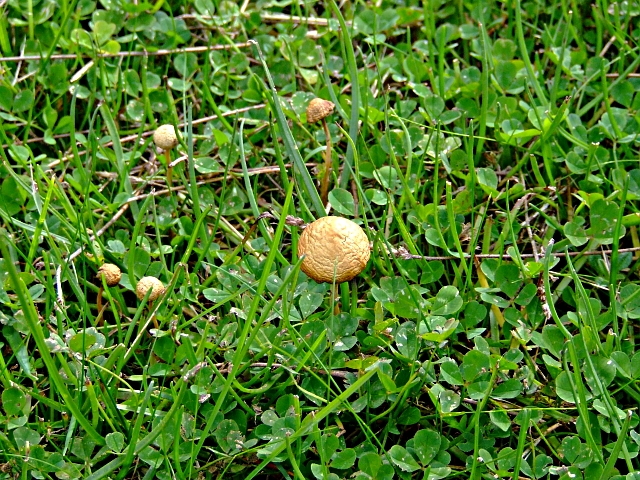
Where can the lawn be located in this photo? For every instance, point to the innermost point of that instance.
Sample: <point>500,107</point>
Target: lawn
<point>156,320</point>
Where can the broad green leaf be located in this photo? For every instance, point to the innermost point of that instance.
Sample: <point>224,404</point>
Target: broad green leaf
<point>447,301</point>
<point>344,459</point>
<point>102,31</point>
<point>622,362</point>
<point>540,466</point>
<point>115,441</point>
<point>407,340</point>
<point>622,92</point>
<point>449,401</point>
<point>603,217</point>
<point>23,101</point>
<point>165,348</point>
<point>151,457</point>
<point>206,165</point>
<point>565,391</point>
<point>500,419</point>
<point>620,177</point>
<point>81,342</point>
<point>6,98</point>
<point>571,448</point>
<point>83,447</point>
<point>13,401</point>
<point>329,444</point>
<point>553,339</point>
<point>403,459</point>
<point>342,201</point>
<point>426,444</point>
<point>508,279</point>
<point>309,303</point>
<point>509,389</point>
<point>19,349</point>
<point>605,371</point>
<point>228,435</point>
<point>506,458</point>
<point>409,303</point>
<point>450,373</point>
<point>341,325</point>
<point>488,180</point>
<point>473,364</point>
<point>24,436</point>
<point>505,73</point>
<point>442,332</point>
<point>409,416</point>
<point>370,463</point>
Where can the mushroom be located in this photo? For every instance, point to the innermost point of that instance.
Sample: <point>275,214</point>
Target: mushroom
<point>149,283</point>
<point>165,138</point>
<point>319,109</point>
<point>333,247</point>
<point>157,288</point>
<point>111,275</point>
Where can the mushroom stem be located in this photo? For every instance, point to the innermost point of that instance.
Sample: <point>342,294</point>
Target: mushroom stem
<point>324,183</point>
<point>155,322</point>
<point>335,302</point>
<point>108,275</point>
<point>99,305</point>
<point>167,157</point>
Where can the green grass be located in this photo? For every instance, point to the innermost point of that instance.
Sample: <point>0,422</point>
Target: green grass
<point>490,152</point>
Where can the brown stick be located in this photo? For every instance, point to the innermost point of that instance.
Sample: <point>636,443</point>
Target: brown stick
<point>75,56</point>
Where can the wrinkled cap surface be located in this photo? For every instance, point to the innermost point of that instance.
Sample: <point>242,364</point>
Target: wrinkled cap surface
<point>165,137</point>
<point>319,109</point>
<point>149,283</point>
<point>333,244</point>
<point>111,274</point>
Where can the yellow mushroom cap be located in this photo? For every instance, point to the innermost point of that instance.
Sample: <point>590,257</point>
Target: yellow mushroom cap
<point>319,109</point>
<point>165,137</point>
<point>111,273</point>
<point>149,283</point>
<point>333,243</point>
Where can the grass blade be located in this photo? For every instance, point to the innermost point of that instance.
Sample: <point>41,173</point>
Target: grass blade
<point>31,317</point>
<point>117,150</point>
<point>347,45</point>
<point>289,143</point>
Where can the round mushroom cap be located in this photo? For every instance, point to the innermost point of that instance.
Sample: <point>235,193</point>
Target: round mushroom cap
<point>333,245</point>
<point>149,283</point>
<point>165,137</point>
<point>111,274</point>
<point>319,109</point>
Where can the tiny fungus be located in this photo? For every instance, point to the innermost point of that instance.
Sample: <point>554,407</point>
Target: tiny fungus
<point>149,283</point>
<point>319,109</point>
<point>157,288</point>
<point>112,275</point>
<point>333,246</point>
<point>165,138</point>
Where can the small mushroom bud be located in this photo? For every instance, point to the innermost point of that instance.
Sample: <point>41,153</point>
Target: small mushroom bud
<point>111,274</point>
<point>319,109</point>
<point>149,283</point>
<point>333,246</point>
<point>165,138</point>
